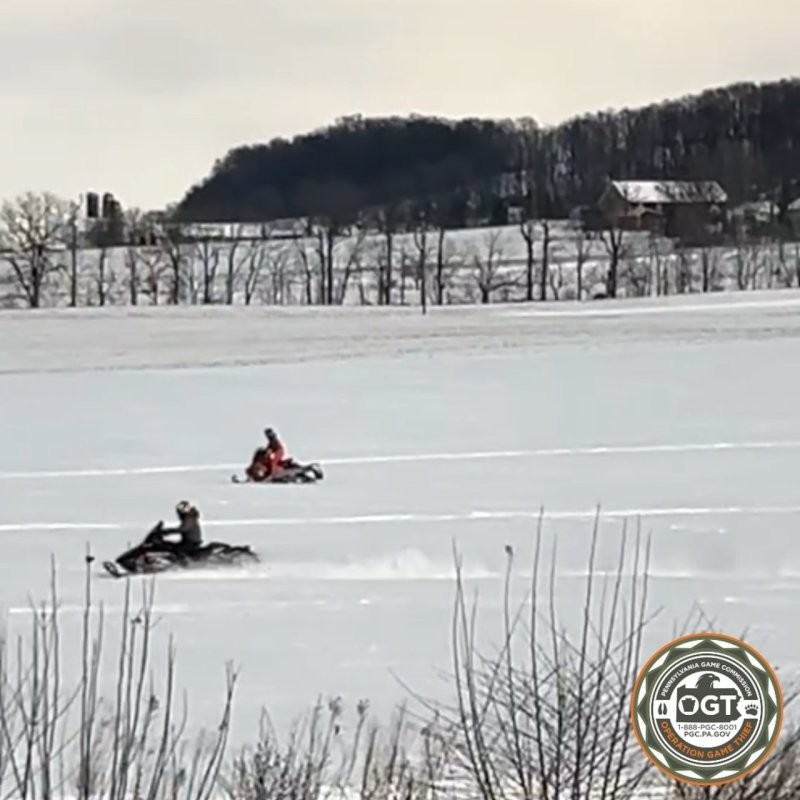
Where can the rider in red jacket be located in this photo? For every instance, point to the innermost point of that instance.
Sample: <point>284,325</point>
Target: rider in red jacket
<point>267,461</point>
<point>276,453</point>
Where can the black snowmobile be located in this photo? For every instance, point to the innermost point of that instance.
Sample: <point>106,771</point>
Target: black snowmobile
<point>154,554</point>
<point>292,472</point>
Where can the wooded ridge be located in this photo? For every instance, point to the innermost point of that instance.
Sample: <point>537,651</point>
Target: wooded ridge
<point>745,136</point>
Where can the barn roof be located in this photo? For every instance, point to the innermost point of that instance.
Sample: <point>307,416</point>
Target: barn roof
<point>653,192</point>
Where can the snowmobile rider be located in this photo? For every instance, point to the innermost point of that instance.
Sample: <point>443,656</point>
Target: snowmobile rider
<point>268,461</point>
<point>189,529</point>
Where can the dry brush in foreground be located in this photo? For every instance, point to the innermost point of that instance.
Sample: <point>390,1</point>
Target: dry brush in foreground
<point>542,716</point>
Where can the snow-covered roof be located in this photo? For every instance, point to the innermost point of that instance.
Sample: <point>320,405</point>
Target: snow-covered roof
<point>654,192</point>
<point>795,206</point>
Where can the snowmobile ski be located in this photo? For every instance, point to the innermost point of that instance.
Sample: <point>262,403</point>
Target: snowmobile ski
<point>113,570</point>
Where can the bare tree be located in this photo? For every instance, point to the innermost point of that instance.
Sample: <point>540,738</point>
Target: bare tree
<point>255,262</point>
<point>545,267</point>
<point>683,270</point>
<point>263,254</point>
<point>60,737</point>
<point>139,234</point>
<point>74,212</point>
<point>749,261</point>
<point>527,228</point>
<point>155,266</point>
<point>488,271</point>
<point>320,761</point>
<point>404,273</point>
<point>709,268</point>
<point>104,278</point>
<point>132,261</point>
<point>330,232</point>
<point>547,714</point>
<point>387,219</point>
<point>580,241</point>
<point>308,260</point>
<point>788,269</point>
<point>613,238</point>
<point>354,248</point>
<point>327,238</point>
<point>336,212</point>
<point>247,257</point>
<point>238,251</point>
<point>448,262</point>
<point>323,249</point>
<point>558,280</point>
<point>101,241</point>
<point>636,273</point>
<point>178,259</point>
<point>421,242</point>
<point>208,254</point>
<point>32,228</point>
<point>445,261</point>
<point>247,260</point>
<point>658,249</point>
<point>278,290</point>
<point>526,149</point>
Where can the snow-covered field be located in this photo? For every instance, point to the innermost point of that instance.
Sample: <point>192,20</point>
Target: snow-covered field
<point>456,426</point>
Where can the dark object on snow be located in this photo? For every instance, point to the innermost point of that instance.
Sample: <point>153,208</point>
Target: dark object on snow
<point>155,554</point>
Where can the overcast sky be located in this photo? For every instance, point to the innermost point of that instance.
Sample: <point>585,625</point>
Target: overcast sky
<point>139,97</point>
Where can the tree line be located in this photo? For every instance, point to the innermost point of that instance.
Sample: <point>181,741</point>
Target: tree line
<point>746,136</point>
<point>49,257</point>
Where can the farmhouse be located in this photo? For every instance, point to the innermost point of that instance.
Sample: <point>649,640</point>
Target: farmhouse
<point>670,208</point>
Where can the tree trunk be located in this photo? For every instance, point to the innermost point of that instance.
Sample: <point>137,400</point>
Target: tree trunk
<point>543,278</point>
<point>387,282</point>
<point>329,264</point>
<point>73,268</point>
<point>440,269</point>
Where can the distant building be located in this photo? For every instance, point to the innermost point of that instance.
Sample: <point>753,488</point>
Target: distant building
<point>670,208</point>
<point>793,213</point>
<point>757,212</point>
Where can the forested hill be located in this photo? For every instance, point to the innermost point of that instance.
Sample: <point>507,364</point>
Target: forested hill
<point>746,136</point>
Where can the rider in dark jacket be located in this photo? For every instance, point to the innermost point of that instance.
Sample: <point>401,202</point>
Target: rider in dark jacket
<point>188,528</point>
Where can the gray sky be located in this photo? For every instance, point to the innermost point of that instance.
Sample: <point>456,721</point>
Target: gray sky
<point>140,97</point>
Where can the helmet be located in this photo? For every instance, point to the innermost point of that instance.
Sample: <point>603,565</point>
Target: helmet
<point>183,508</point>
<point>270,433</point>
